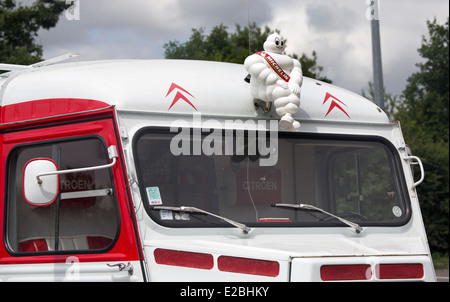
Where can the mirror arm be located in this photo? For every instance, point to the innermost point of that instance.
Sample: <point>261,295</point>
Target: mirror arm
<point>112,151</point>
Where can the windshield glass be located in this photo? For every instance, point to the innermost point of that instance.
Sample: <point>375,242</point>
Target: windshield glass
<point>356,178</point>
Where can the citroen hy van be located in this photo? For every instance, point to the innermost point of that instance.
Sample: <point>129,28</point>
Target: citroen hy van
<point>169,170</point>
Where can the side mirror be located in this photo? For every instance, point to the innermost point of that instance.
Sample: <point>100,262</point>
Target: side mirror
<point>44,190</point>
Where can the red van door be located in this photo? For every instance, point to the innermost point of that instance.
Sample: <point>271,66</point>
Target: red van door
<point>87,232</point>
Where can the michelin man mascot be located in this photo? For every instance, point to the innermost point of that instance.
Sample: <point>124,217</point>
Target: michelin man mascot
<point>276,78</point>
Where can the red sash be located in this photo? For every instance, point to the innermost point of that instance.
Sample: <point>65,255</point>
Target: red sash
<point>272,63</point>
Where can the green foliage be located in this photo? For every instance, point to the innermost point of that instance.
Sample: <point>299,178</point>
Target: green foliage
<point>440,261</point>
<point>364,184</point>
<point>423,112</point>
<point>426,96</point>
<point>222,46</point>
<point>19,26</point>
<point>219,45</point>
<point>425,121</point>
<point>391,101</point>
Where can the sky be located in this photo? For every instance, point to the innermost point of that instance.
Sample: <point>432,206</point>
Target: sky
<point>339,31</point>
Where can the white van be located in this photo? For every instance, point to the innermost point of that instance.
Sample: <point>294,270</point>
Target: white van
<point>168,170</point>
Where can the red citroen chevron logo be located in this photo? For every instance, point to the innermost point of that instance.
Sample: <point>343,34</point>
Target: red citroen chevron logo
<point>334,104</point>
<point>180,95</point>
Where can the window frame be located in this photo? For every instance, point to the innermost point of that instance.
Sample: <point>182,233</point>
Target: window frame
<point>10,160</point>
<point>394,162</point>
<point>393,156</point>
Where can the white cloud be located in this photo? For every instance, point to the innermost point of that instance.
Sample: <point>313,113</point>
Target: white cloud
<point>341,35</point>
<point>337,30</point>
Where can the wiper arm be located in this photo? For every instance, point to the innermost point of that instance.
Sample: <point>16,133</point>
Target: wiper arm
<point>245,229</point>
<point>307,207</point>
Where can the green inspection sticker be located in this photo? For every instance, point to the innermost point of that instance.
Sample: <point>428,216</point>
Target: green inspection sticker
<point>154,196</point>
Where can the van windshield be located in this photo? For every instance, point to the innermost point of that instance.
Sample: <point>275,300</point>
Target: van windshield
<point>353,177</point>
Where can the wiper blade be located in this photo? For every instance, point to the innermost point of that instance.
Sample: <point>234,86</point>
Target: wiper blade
<point>358,229</point>
<point>245,229</point>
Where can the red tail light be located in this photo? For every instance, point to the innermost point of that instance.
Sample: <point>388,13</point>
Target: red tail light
<point>345,272</point>
<point>248,266</point>
<point>399,271</point>
<point>184,259</point>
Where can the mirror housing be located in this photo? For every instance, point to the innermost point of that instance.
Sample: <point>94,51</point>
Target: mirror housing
<point>44,190</point>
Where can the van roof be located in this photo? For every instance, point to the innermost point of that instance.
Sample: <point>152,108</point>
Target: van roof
<point>178,87</point>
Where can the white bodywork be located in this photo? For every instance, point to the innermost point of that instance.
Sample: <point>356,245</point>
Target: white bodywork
<point>140,92</point>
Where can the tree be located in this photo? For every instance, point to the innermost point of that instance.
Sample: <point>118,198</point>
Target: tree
<point>19,26</point>
<point>391,100</point>
<point>425,121</point>
<point>222,46</point>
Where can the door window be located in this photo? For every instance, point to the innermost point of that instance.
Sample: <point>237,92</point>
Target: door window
<point>84,217</point>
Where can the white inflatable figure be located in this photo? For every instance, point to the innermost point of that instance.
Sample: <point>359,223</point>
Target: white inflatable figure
<point>276,78</point>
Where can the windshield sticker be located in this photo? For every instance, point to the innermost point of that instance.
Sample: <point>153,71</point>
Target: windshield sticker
<point>397,211</point>
<point>166,215</point>
<point>154,196</point>
<point>182,216</point>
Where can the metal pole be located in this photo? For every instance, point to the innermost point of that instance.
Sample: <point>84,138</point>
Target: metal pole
<point>378,85</point>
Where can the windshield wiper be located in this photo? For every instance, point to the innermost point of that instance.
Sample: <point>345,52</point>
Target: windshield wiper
<point>245,229</point>
<point>307,207</point>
